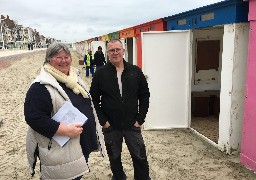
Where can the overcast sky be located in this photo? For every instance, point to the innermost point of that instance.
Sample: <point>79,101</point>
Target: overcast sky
<point>77,20</point>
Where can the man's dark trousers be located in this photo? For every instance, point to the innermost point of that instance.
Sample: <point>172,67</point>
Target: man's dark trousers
<point>134,141</point>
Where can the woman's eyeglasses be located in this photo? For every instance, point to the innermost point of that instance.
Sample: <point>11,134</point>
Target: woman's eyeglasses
<point>66,58</point>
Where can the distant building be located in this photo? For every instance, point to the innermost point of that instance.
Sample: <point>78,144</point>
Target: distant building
<point>13,35</point>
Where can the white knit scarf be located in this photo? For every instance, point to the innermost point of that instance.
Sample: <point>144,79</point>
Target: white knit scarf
<point>70,80</point>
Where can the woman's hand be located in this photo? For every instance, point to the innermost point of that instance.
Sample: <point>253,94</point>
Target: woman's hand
<point>106,125</point>
<point>71,131</point>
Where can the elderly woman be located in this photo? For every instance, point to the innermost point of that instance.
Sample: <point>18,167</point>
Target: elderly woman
<point>57,83</point>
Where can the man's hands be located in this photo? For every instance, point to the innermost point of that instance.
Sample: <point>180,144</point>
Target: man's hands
<point>71,131</point>
<point>106,125</point>
<point>137,124</point>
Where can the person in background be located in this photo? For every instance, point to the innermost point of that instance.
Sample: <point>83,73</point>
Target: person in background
<point>120,95</point>
<point>31,46</point>
<point>57,83</point>
<point>99,59</point>
<point>88,63</point>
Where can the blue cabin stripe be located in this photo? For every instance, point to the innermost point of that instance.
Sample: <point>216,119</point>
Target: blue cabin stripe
<point>225,12</point>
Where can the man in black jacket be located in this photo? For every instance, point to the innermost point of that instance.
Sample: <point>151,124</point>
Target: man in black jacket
<point>99,59</point>
<point>120,95</point>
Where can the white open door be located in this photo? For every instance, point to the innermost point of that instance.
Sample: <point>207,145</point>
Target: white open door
<point>166,62</point>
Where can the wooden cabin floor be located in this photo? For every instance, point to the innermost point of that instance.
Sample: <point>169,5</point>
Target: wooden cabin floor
<point>207,126</point>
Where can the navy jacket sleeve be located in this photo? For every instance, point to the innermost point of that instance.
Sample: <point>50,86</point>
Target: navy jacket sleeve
<point>37,110</point>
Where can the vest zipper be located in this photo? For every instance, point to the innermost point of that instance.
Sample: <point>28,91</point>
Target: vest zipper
<point>50,144</point>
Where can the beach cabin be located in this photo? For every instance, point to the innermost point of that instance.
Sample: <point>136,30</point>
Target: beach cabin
<point>105,38</point>
<point>196,72</point>
<point>155,25</point>
<point>81,47</point>
<point>89,44</point>
<point>95,39</point>
<point>128,37</point>
<point>114,35</point>
<point>248,149</point>
<point>77,47</point>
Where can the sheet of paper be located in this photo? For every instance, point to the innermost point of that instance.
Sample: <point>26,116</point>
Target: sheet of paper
<point>67,115</point>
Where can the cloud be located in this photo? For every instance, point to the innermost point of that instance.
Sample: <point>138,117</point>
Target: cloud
<point>80,20</point>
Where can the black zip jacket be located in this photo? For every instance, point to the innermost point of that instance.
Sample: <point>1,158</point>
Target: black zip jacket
<point>120,112</point>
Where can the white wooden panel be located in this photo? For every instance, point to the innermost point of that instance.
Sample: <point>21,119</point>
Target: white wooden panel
<point>166,61</point>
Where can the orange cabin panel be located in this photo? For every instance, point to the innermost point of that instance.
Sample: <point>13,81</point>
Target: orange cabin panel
<point>156,25</point>
<point>127,33</point>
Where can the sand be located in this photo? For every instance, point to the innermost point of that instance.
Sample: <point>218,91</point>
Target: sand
<point>175,154</point>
